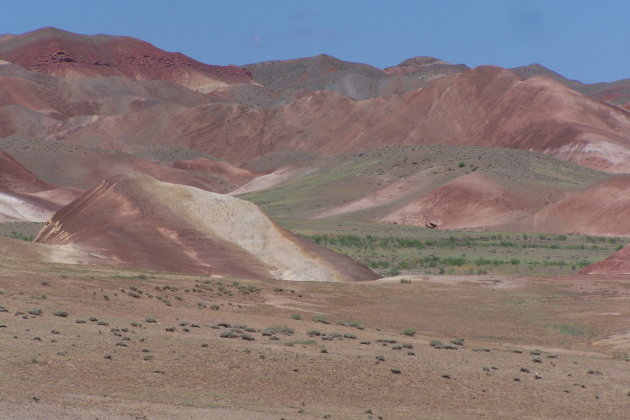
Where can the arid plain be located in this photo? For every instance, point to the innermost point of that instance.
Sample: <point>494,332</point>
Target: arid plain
<point>307,238</point>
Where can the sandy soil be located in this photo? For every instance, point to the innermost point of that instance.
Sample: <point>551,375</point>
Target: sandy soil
<point>181,367</point>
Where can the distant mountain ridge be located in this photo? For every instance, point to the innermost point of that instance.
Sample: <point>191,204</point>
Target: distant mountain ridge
<point>75,121</point>
<point>63,53</point>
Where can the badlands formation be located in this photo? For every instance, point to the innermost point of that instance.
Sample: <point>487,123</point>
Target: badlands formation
<point>308,238</point>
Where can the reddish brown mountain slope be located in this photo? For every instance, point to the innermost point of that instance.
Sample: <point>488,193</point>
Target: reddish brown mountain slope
<point>425,68</point>
<point>66,54</point>
<point>235,175</point>
<point>598,210</point>
<point>15,177</point>
<point>485,106</point>
<point>137,221</point>
<point>617,263</point>
<point>471,201</point>
<point>24,197</point>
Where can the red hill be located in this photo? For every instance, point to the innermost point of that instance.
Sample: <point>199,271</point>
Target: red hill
<point>62,53</point>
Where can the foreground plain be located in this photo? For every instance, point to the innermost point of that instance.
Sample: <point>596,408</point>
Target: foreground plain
<point>124,344</point>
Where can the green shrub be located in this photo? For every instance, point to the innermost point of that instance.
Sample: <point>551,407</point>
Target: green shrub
<point>353,324</point>
<point>436,343</point>
<point>409,332</point>
<point>321,319</point>
<point>300,342</point>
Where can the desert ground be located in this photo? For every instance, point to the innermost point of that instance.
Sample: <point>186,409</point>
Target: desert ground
<point>114,343</point>
<point>308,238</point>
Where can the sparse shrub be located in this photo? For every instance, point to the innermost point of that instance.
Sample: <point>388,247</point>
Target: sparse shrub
<point>407,345</point>
<point>297,317</point>
<point>300,342</point>
<point>405,281</point>
<point>150,320</point>
<point>409,332</point>
<point>215,307</point>
<point>436,343</point>
<point>313,333</point>
<point>35,311</point>
<point>395,371</point>
<point>353,324</point>
<point>269,331</point>
<point>228,334</point>
<point>461,164</point>
<point>321,319</point>
<point>247,337</point>
<point>458,341</point>
<point>286,330</point>
<point>80,321</point>
<point>350,336</point>
<point>62,314</point>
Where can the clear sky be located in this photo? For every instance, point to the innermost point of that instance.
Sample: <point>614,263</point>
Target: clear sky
<point>588,40</point>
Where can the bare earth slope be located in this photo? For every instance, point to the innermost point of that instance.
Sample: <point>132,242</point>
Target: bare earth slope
<point>485,106</point>
<point>359,81</point>
<point>137,221</point>
<point>62,53</point>
<point>24,197</point>
<point>598,210</point>
<point>471,201</point>
<point>454,187</point>
<point>617,263</point>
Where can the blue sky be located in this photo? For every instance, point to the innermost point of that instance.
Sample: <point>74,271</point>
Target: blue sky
<point>585,40</point>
